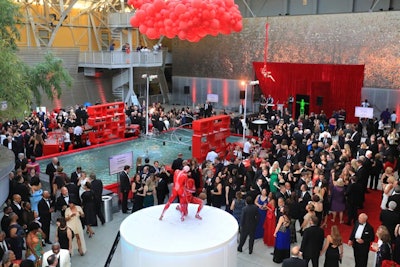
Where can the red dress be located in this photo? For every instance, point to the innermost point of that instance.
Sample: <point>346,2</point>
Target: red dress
<point>269,225</point>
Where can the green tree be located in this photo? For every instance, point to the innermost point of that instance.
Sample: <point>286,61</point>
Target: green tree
<point>49,76</point>
<point>20,85</point>
<point>13,84</point>
<point>9,18</point>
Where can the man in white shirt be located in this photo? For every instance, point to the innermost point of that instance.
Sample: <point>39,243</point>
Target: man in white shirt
<point>212,155</point>
<point>78,131</point>
<point>365,104</point>
<point>393,119</point>
<point>246,149</point>
<point>360,239</point>
<point>64,258</point>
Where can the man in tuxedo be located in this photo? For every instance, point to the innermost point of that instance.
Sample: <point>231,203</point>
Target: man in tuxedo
<point>64,259</point>
<point>73,190</point>
<point>360,239</point>
<point>51,168</point>
<point>21,162</point>
<point>62,201</point>
<point>390,218</point>
<point>11,144</point>
<point>208,109</point>
<point>16,206</point>
<point>248,224</point>
<point>97,188</point>
<point>76,175</point>
<point>162,189</point>
<point>396,198</point>
<point>177,163</point>
<point>313,240</point>
<point>281,193</point>
<point>45,208</point>
<point>4,245</point>
<point>304,198</point>
<point>295,260</point>
<point>362,178</point>
<point>354,199</point>
<point>125,187</point>
<point>5,220</point>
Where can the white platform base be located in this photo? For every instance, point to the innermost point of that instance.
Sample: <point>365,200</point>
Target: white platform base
<point>146,241</point>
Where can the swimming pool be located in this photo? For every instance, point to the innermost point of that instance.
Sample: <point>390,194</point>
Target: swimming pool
<point>163,147</point>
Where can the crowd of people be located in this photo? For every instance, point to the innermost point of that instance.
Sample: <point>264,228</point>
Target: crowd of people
<point>302,172</point>
<point>296,172</point>
<point>73,203</point>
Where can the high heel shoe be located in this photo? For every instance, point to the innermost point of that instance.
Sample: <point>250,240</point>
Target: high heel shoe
<point>81,252</point>
<point>91,234</point>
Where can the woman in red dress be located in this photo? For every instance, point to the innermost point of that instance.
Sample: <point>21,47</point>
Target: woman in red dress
<point>270,222</point>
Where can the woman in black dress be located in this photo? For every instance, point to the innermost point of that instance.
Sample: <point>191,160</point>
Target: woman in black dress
<point>138,194</point>
<point>383,251</point>
<point>89,208</point>
<point>217,194</point>
<point>64,234</point>
<point>333,248</point>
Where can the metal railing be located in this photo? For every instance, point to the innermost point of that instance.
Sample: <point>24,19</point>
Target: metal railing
<point>108,58</point>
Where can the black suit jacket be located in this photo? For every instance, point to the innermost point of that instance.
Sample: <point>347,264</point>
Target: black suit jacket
<point>17,211</point>
<point>367,235</point>
<point>294,262</point>
<point>97,188</point>
<point>73,190</point>
<point>5,222</point>
<point>177,164</point>
<point>390,219</point>
<point>74,177</point>
<point>60,202</point>
<point>162,190</point>
<point>395,198</point>
<point>354,194</point>
<point>125,184</point>
<point>44,211</point>
<point>249,218</point>
<point>1,248</point>
<point>303,203</point>
<point>313,240</point>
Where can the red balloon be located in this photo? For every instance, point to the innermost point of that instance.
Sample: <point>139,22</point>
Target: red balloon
<point>180,9</point>
<point>188,19</point>
<point>143,28</point>
<point>182,35</point>
<point>152,34</point>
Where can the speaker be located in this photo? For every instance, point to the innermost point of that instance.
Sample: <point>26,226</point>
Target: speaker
<point>186,90</point>
<point>320,100</point>
<point>242,94</point>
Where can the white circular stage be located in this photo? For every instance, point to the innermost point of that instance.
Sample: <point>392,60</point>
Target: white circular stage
<point>147,241</point>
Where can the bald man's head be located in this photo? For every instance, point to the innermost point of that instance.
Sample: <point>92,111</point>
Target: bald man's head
<point>296,251</point>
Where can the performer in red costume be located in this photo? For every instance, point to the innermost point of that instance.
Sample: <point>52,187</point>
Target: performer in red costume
<point>189,190</point>
<point>185,196</point>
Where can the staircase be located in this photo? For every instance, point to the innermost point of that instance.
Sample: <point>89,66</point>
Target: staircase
<point>120,85</point>
<point>116,35</point>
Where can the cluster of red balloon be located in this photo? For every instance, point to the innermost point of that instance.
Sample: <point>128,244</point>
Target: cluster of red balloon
<point>188,19</point>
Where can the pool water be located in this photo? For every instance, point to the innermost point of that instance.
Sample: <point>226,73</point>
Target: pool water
<point>163,147</point>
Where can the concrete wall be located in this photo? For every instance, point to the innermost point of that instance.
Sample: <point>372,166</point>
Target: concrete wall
<point>7,163</point>
<point>263,8</point>
<point>362,38</point>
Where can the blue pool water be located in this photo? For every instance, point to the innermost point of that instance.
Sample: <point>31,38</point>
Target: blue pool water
<point>164,148</point>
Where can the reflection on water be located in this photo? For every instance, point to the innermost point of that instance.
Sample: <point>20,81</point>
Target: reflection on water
<point>164,148</point>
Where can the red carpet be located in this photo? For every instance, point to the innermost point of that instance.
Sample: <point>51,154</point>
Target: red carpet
<point>371,208</point>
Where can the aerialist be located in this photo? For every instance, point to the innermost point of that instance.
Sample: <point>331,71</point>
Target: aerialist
<point>181,190</point>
